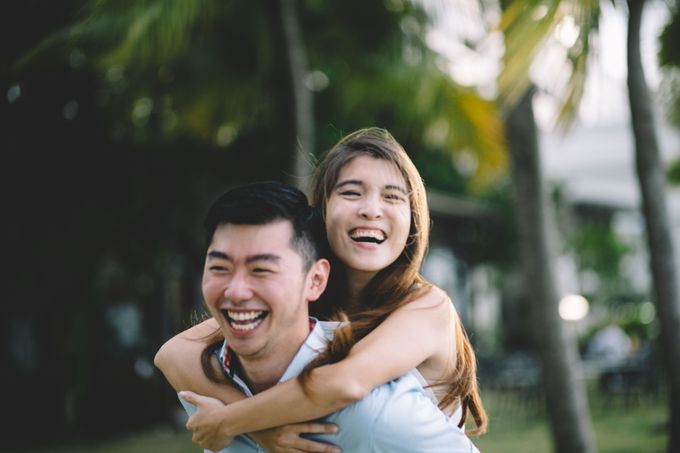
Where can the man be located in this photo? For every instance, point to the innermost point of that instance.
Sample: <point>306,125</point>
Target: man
<point>262,269</point>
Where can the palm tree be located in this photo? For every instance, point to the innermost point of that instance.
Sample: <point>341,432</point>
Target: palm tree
<point>565,392</point>
<point>652,183</point>
<point>524,32</point>
<point>303,102</point>
<point>415,97</point>
<point>525,25</point>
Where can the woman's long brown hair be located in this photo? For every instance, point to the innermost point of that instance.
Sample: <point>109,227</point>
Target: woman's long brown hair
<point>397,284</point>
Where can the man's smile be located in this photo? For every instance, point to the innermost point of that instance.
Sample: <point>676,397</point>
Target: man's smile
<point>244,321</point>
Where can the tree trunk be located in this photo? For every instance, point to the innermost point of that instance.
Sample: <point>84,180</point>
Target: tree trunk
<point>303,102</point>
<point>567,402</point>
<point>652,189</point>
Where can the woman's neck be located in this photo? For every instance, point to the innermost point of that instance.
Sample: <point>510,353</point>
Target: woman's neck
<point>356,282</point>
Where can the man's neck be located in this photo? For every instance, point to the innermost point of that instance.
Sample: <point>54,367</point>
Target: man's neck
<point>262,373</point>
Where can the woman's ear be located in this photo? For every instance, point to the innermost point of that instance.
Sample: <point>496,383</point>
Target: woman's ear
<point>317,278</point>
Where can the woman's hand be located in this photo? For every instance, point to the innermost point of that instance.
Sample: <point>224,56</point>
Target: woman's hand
<point>206,430</point>
<point>287,439</point>
<point>204,423</point>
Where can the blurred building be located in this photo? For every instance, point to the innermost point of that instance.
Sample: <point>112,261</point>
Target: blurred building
<point>595,169</point>
<point>466,237</point>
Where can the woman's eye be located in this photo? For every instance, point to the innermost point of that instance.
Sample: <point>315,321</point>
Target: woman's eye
<point>394,197</point>
<point>349,193</point>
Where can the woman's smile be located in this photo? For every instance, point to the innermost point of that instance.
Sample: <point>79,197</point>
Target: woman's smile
<point>368,215</point>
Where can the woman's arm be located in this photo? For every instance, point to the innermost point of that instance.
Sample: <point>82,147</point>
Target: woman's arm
<point>410,336</point>
<point>179,360</point>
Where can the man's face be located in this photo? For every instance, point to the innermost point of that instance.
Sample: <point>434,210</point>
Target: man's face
<point>255,286</point>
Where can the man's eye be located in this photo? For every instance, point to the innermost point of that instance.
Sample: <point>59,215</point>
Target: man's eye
<point>218,269</point>
<point>262,270</point>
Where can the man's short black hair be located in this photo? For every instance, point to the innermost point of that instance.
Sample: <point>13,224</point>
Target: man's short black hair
<point>262,203</point>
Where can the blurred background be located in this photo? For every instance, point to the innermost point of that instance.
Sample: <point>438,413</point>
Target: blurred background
<point>122,120</point>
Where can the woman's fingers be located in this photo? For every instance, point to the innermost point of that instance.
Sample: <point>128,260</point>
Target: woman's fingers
<point>288,438</point>
<point>316,428</point>
<point>298,443</point>
<point>310,446</point>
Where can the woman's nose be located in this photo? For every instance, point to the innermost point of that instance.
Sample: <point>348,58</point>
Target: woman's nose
<point>371,208</point>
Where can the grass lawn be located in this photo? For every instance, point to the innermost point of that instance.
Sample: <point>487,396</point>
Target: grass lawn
<point>619,427</point>
<point>160,441</point>
<point>515,427</point>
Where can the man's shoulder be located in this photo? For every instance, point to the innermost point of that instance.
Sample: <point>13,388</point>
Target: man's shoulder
<point>397,417</point>
<point>391,397</point>
<point>410,421</point>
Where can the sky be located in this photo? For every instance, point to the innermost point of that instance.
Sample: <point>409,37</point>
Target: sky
<point>596,156</point>
<point>604,98</point>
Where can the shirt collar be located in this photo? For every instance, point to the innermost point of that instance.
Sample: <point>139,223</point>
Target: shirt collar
<point>314,344</point>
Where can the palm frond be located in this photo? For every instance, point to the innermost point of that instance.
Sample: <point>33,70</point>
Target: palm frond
<point>526,35</point>
<point>124,32</point>
<point>526,27</point>
<point>156,30</point>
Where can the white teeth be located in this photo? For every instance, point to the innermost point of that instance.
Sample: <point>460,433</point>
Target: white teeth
<point>244,321</point>
<point>243,316</point>
<point>246,327</point>
<point>375,234</point>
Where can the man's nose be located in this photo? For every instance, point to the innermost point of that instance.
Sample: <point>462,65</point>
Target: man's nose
<point>238,289</point>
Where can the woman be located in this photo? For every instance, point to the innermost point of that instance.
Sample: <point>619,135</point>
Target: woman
<point>374,207</point>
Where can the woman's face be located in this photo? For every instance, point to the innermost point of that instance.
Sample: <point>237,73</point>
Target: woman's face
<point>368,216</point>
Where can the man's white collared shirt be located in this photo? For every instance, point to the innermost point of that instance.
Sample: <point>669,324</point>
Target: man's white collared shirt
<point>397,417</point>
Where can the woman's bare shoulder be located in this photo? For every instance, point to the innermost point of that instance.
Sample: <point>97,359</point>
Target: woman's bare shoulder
<point>185,347</point>
<point>199,332</point>
<point>432,297</point>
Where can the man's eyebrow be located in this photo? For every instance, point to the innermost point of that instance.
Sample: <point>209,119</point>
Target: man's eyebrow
<point>219,255</point>
<point>264,257</point>
<point>260,257</point>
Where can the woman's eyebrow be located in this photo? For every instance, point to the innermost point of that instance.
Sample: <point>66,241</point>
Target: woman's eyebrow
<point>398,188</point>
<point>357,182</point>
<point>348,182</point>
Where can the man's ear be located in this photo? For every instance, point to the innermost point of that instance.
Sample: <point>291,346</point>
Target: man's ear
<point>317,278</point>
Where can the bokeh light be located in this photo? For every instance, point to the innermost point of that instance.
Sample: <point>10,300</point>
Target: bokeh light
<point>573,307</point>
